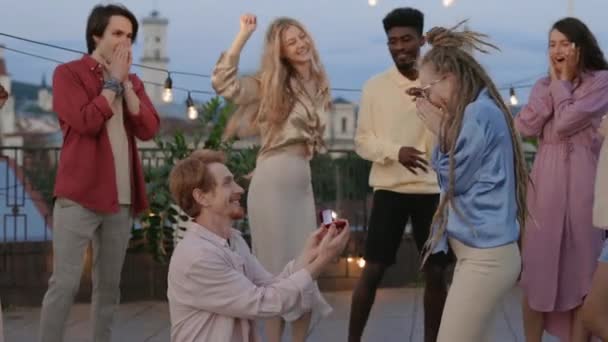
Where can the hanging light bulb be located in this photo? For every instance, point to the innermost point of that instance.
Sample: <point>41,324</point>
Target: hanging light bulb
<point>447,3</point>
<point>361,262</point>
<point>349,259</point>
<point>167,95</point>
<point>512,97</point>
<point>372,2</point>
<point>168,91</point>
<point>192,111</point>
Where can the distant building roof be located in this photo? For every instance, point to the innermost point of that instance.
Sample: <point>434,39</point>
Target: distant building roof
<point>30,108</point>
<point>23,92</point>
<point>39,124</point>
<point>341,100</point>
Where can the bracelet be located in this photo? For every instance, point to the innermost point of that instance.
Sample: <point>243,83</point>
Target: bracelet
<point>113,85</point>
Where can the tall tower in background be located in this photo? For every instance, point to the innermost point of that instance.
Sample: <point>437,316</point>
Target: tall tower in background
<point>155,55</point>
<point>4,77</point>
<point>7,113</point>
<point>8,118</point>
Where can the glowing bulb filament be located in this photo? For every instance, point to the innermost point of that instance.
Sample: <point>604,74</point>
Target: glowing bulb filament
<point>512,97</point>
<point>167,95</point>
<point>192,113</point>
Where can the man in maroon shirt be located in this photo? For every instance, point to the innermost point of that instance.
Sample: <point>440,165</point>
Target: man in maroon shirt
<point>99,187</point>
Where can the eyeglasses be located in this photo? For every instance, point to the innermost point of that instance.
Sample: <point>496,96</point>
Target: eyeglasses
<point>424,91</point>
<point>427,87</point>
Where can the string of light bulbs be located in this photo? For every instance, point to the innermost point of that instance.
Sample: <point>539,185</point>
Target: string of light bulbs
<point>167,95</point>
<point>522,83</point>
<point>175,72</point>
<point>192,112</point>
<point>191,107</point>
<point>168,88</point>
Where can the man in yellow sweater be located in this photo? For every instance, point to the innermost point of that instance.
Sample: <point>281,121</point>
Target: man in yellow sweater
<point>391,135</point>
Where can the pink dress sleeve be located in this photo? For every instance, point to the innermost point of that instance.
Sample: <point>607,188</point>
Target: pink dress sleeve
<point>532,118</point>
<point>573,114</point>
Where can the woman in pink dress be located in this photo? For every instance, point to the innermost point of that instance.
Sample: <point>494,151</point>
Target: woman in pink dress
<point>560,245</point>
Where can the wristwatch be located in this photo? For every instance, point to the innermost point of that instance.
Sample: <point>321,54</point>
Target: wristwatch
<point>113,85</point>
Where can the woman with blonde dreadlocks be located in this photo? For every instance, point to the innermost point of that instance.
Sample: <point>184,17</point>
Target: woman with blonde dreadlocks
<point>482,176</point>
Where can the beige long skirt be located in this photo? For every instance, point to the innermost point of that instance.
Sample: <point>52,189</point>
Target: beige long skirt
<point>281,209</point>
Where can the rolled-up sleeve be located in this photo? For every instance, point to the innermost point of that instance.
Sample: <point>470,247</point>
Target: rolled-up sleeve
<point>227,83</point>
<point>73,106</point>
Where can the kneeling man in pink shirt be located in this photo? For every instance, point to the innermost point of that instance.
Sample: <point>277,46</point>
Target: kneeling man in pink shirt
<point>216,287</point>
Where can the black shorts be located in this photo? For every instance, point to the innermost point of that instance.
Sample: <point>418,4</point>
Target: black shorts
<point>390,213</point>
